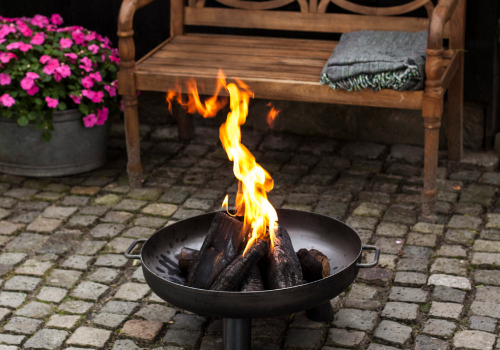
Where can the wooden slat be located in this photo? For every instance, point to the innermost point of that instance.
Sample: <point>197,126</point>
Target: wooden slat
<point>236,57</point>
<point>450,70</point>
<point>248,51</point>
<point>290,90</point>
<point>380,11</point>
<point>241,64</point>
<point>249,41</point>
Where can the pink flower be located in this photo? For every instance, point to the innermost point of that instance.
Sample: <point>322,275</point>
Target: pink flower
<point>24,47</point>
<point>87,82</point>
<point>78,37</point>
<point>51,102</point>
<point>86,64</point>
<point>4,79</point>
<point>102,115</point>
<point>51,66</point>
<point>32,75</point>
<point>76,99</point>
<point>7,100</point>
<point>98,97</point>
<point>38,39</point>
<point>34,89</point>
<point>5,30</point>
<point>94,48</point>
<point>90,120</point>
<point>88,94</point>
<point>65,43</point>
<point>13,46</point>
<point>23,28</point>
<point>90,36</point>
<point>63,70</point>
<point>27,83</point>
<point>72,56</point>
<point>56,19</point>
<point>40,21</point>
<point>5,57</point>
<point>4,40</point>
<point>44,59</point>
<point>114,58</point>
<point>96,76</point>
<point>111,90</point>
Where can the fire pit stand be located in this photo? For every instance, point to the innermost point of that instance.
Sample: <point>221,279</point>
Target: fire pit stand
<point>340,243</point>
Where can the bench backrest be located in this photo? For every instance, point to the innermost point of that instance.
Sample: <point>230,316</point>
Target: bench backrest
<point>311,18</point>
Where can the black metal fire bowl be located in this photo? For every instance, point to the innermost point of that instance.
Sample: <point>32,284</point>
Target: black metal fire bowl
<point>340,243</point>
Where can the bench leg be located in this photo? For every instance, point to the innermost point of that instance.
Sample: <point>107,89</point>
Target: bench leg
<point>185,123</point>
<point>134,166</point>
<point>455,114</point>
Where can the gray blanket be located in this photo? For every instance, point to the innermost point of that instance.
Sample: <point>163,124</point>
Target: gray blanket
<point>377,60</point>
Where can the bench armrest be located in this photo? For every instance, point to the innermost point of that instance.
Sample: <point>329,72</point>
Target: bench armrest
<point>126,15</point>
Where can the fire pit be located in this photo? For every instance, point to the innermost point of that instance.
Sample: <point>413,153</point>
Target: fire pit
<point>340,243</point>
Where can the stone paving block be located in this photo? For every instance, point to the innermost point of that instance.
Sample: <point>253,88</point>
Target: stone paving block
<point>139,232</point>
<point>12,258</point>
<point>470,209</point>
<point>488,294</point>
<point>375,275</point>
<point>63,321</point>
<point>138,276</point>
<point>119,217</point>
<point>370,210</point>
<point>490,234</point>
<point>160,209</point>
<point>89,291</point>
<point>446,310</point>
<point>119,307</point>
<point>108,200</point>
<point>464,222</point>
<point>51,294</point>
<point>423,342</point>
<point>90,247</point>
<point>412,278</point>
<point>26,243</point>
<point>34,267</point>
<point>82,220</point>
<point>11,339</point>
<point>63,278</point>
<point>12,300</point>
<point>453,251</point>
<point>187,322</point>
<point>111,260</point>
<point>361,291</point>
<point>22,283</point>
<point>34,309</point>
<point>424,227</point>
<point>158,313</point>
<point>103,275</point>
<point>132,291</point>
<point>488,277</point>
<point>464,237</point>
<point>481,323</point>
<point>449,266</point>
<point>412,264</point>
<point>182,214</point>
<point>153,222</point>
<point>486,246</point>
<point>119,244</point>
<point>389,245</point>
<point>360,222</point>
<point>390,229</point>
<point>393,332</point>
<point>355,319</point>
<point>106,230</point>
<point>474,340</point>
<point>414,295</point>
<point>421,239</point>
<point>87,336</point>
<point>47,339</point>
<point>42,224</point>
<point>493,221</point>
<point>95,210</point>
<point>400,311</point>
<point>303,339</point>
<point>75,306</point>
<point>439,328</point>
<point>77,201</point>
<point>88,191</point>
<point>342,337</point>
<point>77,262</point>
<point>487,309</point>
<point>373,346</point>
<point>144,330</point>
<point>59,212</point>
<point>476,193</point>
<point>300,320</point>
<point>486,259</point>
<point>111,321</point>
<point>146,194</point>
<point>130,205</point>
<point>442,293</point>
<point>21,193</point>
<point>4,313</point>
<point>23,325</point>
<point>449,281</point>
<point>125,344</point>
<point>8,228</point>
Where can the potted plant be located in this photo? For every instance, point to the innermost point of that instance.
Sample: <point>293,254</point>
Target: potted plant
<point>57,89</point>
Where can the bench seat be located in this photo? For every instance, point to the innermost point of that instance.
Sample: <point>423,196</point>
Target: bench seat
<point>274,68</point>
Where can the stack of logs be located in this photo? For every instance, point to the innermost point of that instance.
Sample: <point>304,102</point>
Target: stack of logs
<point>221,265</point>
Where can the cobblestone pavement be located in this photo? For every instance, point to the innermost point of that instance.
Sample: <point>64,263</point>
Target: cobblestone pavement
<point>66,284</point>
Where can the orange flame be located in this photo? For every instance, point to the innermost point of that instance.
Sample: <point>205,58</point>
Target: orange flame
<point>259,216</point>
<point>271,116</point>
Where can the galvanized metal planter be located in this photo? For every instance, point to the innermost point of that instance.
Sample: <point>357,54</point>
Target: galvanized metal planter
<point>73,149</point>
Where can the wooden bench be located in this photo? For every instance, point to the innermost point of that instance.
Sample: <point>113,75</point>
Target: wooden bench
<point>289,69</point>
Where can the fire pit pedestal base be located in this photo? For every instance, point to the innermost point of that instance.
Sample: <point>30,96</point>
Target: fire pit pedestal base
<point>237,333</point>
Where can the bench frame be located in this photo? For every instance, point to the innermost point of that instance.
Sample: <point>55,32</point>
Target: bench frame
<point>444,67</point>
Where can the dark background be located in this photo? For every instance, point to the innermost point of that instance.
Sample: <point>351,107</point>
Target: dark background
<point>151,26</point>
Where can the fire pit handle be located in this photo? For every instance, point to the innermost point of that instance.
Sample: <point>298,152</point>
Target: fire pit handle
<point>132,246</point>
<point>377,255</point>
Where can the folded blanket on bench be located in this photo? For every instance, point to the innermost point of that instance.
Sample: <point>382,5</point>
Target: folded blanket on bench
<point>377,60</point>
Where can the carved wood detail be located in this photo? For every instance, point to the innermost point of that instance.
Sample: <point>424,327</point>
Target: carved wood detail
<point>375,11</point>
<point>253,5</point>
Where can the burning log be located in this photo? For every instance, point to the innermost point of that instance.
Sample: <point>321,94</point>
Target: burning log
<point>253,281</point>
<point>223,243</point>
<point>315,265</point>
<point>283,268</point>
<point>236,272</point>
<point>187,259</point>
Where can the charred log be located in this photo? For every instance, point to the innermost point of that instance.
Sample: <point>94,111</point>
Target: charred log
<point>237,271</point>
<point>315,265</point>
<point>223,243</point>
<point>282,265</point>
<point>187,258</point>
<point>253,282</point>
